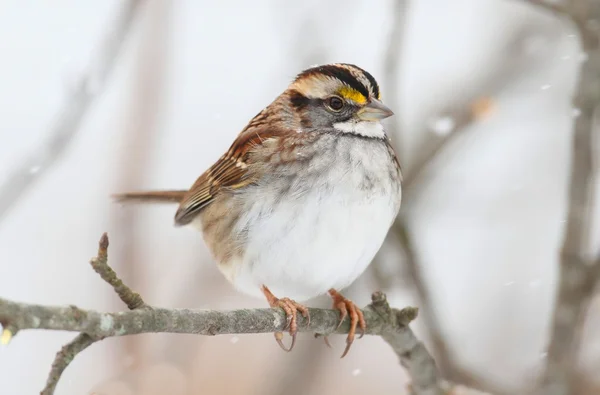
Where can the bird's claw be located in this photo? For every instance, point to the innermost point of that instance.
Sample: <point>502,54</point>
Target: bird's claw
<point>347,308</point>
<point>291,309</point>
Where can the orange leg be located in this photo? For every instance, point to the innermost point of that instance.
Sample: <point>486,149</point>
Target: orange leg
<point>347,307</point>
<point>291,309</point>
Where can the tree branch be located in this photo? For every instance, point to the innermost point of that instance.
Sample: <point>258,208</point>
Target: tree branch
<point>463,117</point>
<point>549,6</point>
<point>64,357</point>
<point>81,97</point>
<point>579,274</point>
<point>132,299</point>
<point>392,65</point>
<point>480,104</point>
<point>154,320</point>
<point>391,324</point>
<point>82,341</point>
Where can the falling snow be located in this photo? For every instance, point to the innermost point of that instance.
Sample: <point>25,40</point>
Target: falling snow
<point>533,309</point>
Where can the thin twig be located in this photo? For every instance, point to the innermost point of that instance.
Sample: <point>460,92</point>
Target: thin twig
<point>132,299</point>
<point>64,357</point>
<point>578,273</point>
<point>382,320</point>
<point>85,90</point>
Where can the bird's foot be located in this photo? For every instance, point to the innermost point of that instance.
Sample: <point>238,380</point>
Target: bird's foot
<point>347,307</point>
<point>291,309</point>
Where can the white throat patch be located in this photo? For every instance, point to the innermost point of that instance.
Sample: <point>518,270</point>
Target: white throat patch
<point>361,128</point>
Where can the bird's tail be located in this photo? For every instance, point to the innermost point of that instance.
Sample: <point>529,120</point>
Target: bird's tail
<point>150,197</point>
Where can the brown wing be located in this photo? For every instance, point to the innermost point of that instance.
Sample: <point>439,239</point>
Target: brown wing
<point>233,170</point>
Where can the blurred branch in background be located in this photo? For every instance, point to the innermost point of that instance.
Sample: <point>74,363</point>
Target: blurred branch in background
<point>88,86</point>
<point>579,268</point>
<point>382,320</point>
<point>392,64</point>
<point>578,274</point>
<point>140,130</point>
<point>477,106</point>
<point>454,118</point>
<point>401,232</point>
<point>459,119</point>
<point>549,5</point>
<point>460,116</point>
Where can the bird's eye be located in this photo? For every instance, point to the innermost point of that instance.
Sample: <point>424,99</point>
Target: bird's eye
<point>335,103</point>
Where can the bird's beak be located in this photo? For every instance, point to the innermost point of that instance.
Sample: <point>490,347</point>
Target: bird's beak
<point>374,111</point>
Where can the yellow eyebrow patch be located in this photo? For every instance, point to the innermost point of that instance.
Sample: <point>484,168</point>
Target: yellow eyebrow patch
<point>352,94</point>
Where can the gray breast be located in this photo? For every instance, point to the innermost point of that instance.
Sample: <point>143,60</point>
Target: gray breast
<point>352,168</point>
<point>334,161</point>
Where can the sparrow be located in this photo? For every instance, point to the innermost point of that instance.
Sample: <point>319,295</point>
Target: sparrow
<point>303,199</point>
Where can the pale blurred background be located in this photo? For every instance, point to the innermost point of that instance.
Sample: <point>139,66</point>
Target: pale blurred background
<point>488,81</point>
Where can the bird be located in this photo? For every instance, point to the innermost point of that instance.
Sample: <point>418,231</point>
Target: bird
<point>304,197</point>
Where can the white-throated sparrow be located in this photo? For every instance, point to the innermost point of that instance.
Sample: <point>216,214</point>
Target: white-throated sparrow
<point>304,197</point>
